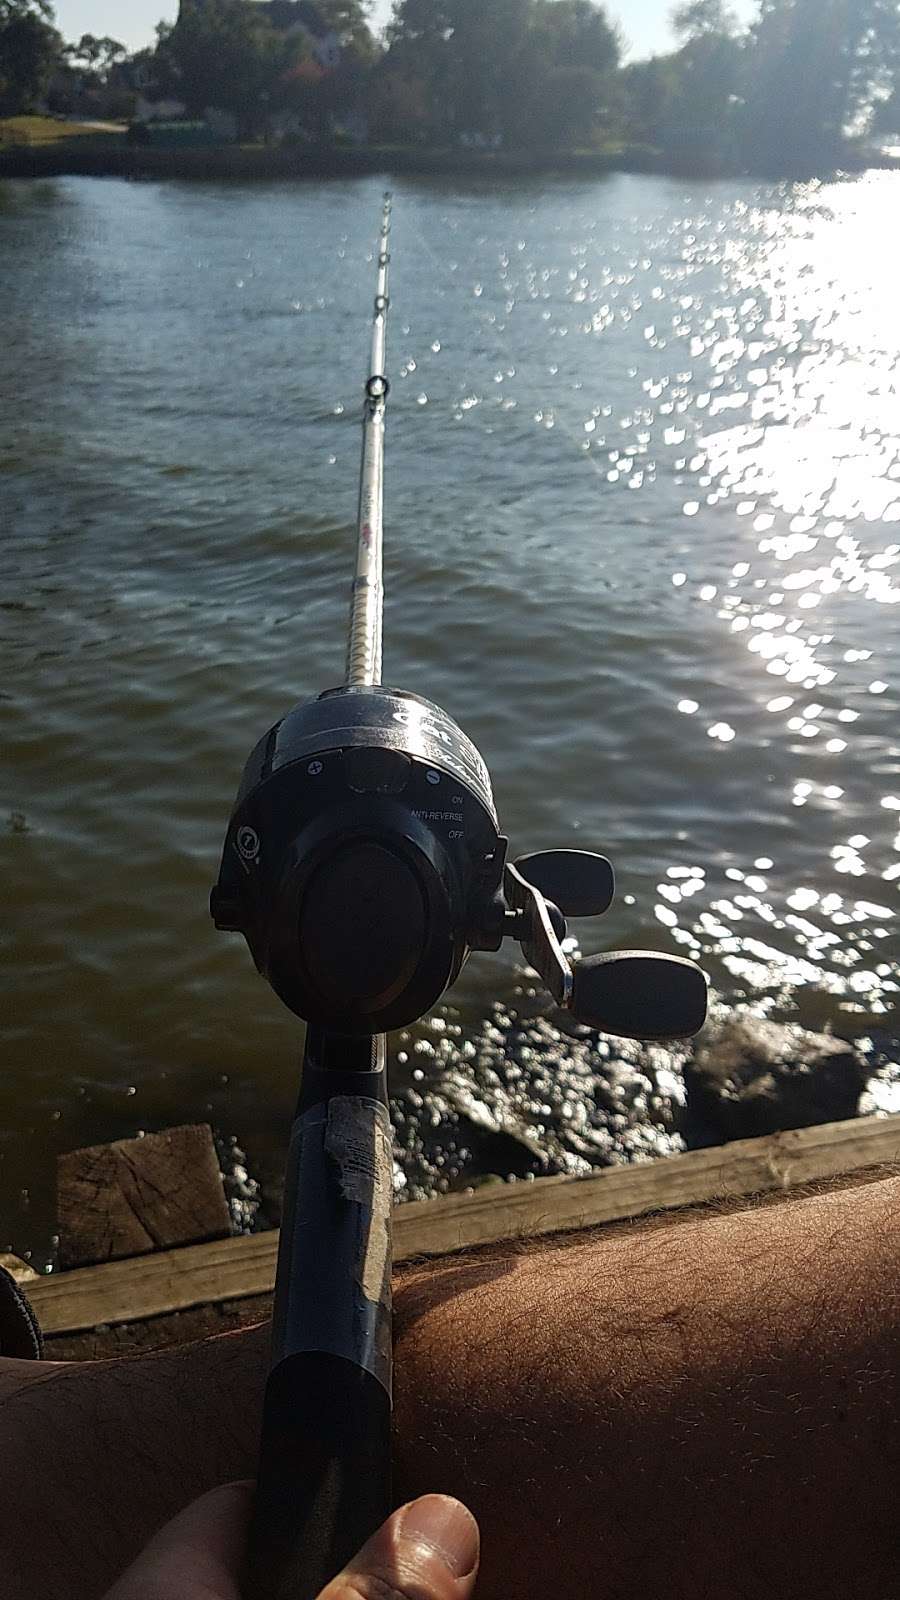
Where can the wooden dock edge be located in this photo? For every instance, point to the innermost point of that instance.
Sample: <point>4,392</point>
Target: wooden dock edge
<point>156,1285</point>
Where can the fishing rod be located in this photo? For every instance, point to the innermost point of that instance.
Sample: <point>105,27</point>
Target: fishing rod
<point>363,862</point>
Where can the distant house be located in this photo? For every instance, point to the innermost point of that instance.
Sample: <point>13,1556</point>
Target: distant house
<point>289,18</point>
<point>149,110</point>
<point>223,125</point>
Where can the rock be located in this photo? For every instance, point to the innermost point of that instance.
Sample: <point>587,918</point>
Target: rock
<point>242,1191</point>
<point>526,1095</point>
<point>753,1077</point>
<point>503,1146</point>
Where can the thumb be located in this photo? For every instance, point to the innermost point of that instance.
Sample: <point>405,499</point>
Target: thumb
<point>427,1550</point>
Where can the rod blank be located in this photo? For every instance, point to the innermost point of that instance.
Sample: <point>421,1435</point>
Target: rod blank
<point>367,602</point>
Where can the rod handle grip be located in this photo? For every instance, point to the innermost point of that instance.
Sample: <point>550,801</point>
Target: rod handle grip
<point>324,1483</point>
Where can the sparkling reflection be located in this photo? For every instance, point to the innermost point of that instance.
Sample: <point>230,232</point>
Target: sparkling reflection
<point>770,394</point>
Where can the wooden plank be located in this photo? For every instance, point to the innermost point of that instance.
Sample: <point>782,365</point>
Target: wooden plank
<point>230,1269</point>
<point>136,1196</point>
<point>150,1286</point>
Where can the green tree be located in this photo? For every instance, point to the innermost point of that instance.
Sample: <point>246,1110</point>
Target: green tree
<point>224,54</point>
<point>29,49</point>
<point>688,103</point>
<point>813,71</point>
<point>397,104</point>
<point>232,55</point>
<point>348,19</point>
<point>577,33</point>
<point>647,93</point>
<point>700,121</point>
<point>528,71</point>
<point>566,113</point>
<point>418,64</point>
<point>159,68</point>
<point>464,51</point>
<point>423,22</point>
<point>698,18</point>
<point>96,56</point>
<point>563,76</point>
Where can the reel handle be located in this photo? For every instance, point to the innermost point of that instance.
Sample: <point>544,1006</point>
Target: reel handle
<point>640,994</point>
<point>636,994</point>
<point>579,882</point>
<point>324,1482</point>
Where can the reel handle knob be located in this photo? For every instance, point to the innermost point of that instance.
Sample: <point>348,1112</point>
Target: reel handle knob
<point>640,995</point>
<point>580,883</point>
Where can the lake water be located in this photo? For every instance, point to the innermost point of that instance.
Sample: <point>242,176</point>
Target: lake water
<point>643,543</point>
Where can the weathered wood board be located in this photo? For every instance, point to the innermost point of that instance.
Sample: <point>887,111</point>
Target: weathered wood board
<point>139,1195</point>
<point>235,1268</point>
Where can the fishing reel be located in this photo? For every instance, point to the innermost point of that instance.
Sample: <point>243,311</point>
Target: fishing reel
<point>363,862</point>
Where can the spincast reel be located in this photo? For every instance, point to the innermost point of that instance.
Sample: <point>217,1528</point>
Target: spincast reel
<point>363,862</point>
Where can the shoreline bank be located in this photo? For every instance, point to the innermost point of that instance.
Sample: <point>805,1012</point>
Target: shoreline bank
<point>122,159</point>
<point>168,1295</point>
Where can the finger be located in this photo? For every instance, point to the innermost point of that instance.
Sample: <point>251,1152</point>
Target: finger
<point>202,1550</point>
<point>426,1551</point>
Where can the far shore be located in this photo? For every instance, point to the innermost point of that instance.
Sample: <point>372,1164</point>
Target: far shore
<point>116,156</point>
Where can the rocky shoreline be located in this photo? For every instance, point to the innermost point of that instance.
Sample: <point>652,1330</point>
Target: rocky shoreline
<point>538,1096</point>
<point>534,1095</point>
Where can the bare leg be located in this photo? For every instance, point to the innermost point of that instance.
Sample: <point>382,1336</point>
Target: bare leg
<point>705,1408</point>
<point>697,1407</point>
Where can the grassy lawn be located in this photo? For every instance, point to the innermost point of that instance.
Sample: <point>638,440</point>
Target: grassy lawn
<point>47,130</point>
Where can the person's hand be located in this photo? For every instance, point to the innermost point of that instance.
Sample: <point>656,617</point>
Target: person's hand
<point>427,1550</point>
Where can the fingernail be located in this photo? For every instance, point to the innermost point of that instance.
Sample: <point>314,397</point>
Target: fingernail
<point>447,1527</point>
